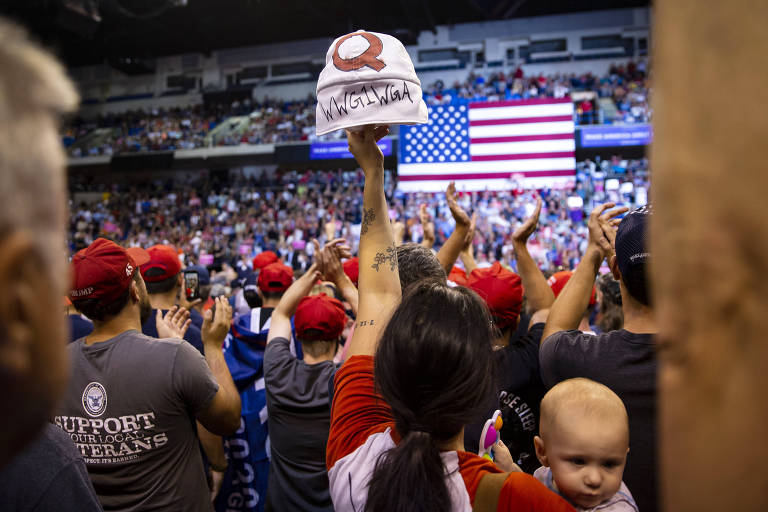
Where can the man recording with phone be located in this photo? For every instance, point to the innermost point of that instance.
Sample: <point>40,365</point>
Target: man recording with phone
<point>165,281</point>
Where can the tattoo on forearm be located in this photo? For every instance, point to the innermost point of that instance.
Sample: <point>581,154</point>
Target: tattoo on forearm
<point>368,218</point>
<point>383,258</point>
<point>364,323</point>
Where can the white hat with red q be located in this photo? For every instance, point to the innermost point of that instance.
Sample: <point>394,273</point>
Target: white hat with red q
<point>368,79</point>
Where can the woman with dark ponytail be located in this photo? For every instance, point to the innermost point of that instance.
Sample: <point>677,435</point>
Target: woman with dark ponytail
<point>396,439</point>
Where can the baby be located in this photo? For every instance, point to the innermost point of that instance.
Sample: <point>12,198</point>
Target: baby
<point>583,446</point>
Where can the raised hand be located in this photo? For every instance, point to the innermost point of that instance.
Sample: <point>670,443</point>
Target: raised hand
<point>526,229</point>
<point>216,326</point>
<point>332,254</point>
<point>173,324</point>
<point>610,225</point>
<point>398,232</point>
<point>363,145</point>
<point>603,217</point>
<point>459,215</point>
<point>427,226</point>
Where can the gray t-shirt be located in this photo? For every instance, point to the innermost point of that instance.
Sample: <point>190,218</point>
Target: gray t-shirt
<point>130,408</point>
<point>299,409</point>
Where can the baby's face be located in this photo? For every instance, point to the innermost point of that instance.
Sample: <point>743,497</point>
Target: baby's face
<point>587,458</point>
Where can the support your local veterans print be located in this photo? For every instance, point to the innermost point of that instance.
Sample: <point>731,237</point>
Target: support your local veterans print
<point>113,440</point>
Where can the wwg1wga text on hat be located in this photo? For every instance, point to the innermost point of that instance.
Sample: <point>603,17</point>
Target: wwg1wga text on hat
<point>368,79</point>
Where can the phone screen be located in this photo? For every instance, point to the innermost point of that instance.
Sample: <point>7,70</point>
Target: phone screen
<point>191,284</point>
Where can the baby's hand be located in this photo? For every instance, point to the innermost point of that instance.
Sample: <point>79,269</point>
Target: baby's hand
<point>503,458</point>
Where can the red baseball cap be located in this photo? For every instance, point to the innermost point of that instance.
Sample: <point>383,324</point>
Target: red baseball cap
<point>502,291</point>
<point>104,270</point>
<point>557,282</point>
<point>263,259</point>
<point>352,269</point>
<point>322,315</point>
<point>275,277</point>
<point>165,262</point>
<point>458,276</point>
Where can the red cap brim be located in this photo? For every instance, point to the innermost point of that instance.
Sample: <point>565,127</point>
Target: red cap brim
<point>139,255</point>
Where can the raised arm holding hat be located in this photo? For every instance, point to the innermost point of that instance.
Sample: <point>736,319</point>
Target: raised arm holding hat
<point>410,383</point>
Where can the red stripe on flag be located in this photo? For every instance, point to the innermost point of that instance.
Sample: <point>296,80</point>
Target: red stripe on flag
<point>522,138</point>
<point>485,176</point>
<point>516,103</point>
<point>520,120</point>
<point>523,156</point>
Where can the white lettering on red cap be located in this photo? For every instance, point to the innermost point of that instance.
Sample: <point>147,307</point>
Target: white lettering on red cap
<point>128,269</point>
<point>82,292</point>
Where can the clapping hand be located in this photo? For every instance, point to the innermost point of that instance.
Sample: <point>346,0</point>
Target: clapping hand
<point>216,325</point>
<point>526,229</point>
<point>173,324</point>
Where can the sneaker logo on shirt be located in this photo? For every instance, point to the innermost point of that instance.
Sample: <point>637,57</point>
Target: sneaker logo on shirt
<point>94,399</point>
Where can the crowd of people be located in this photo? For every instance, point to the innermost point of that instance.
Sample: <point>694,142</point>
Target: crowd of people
<point>247,215</point>
<point>374,361</point>
<point>628,86</point>
<point>274,121</point>
<point>189,128</point>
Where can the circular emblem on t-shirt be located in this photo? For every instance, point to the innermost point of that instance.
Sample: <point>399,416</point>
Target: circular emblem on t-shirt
<point>94,399</point>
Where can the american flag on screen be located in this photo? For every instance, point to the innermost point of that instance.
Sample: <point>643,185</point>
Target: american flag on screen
<point>482,145</point>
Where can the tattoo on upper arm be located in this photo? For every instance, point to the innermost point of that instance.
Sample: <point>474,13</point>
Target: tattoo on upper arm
<point>368,218</point>
<point>383,258</point>
<point>363,323</point>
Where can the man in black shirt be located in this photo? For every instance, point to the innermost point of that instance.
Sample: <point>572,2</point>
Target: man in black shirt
<point>520,388</point>
<point>298,400</point>
<point>623,360</point>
